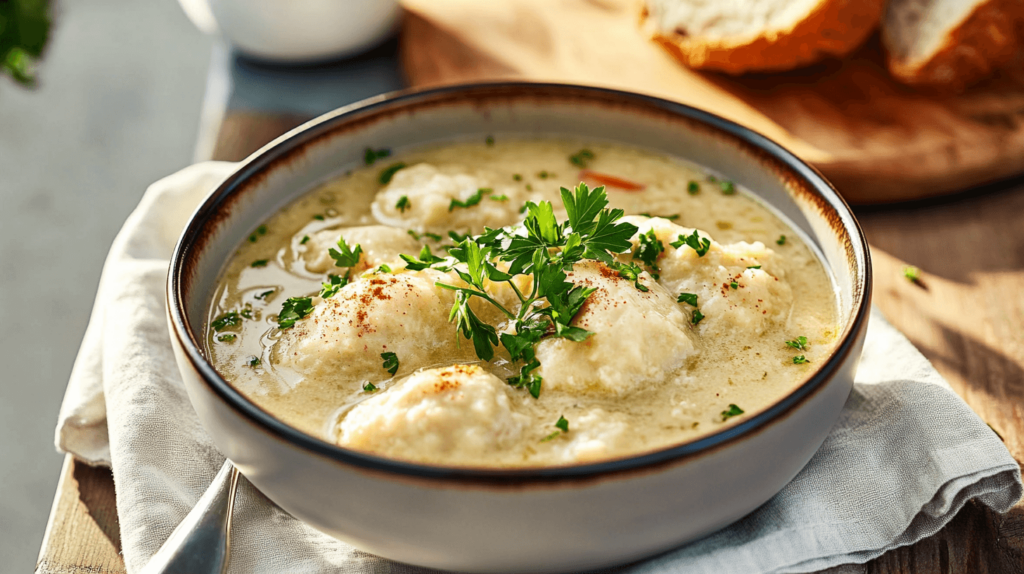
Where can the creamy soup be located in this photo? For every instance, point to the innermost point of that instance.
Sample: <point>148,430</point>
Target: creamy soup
<point>406,310</point>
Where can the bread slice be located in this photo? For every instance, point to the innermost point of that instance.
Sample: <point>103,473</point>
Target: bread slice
<point>950,44</point>
<point>737,36</point>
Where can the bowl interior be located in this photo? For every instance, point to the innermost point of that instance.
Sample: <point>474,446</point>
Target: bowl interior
<point>328,146</point>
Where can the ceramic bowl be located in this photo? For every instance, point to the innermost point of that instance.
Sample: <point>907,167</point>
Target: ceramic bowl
<point>552,519</point>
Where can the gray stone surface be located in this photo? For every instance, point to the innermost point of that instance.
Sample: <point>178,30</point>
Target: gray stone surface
<point>118,107</point>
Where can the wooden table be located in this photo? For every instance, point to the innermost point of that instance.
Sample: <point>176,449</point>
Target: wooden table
<point>966,316</point>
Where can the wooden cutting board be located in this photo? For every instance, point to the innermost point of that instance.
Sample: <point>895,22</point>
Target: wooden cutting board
<point>876,140</point>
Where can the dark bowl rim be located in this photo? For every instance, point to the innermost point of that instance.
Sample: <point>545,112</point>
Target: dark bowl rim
<point>324,124</point>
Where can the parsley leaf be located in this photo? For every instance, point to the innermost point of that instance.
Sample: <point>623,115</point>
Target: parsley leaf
<point>727,187</point>
<point>753,267</point>
<point>426,260</point>
<point>265,294</point>
<point>690,298</point>
<point>334,284</point>
<point>800,343</point>
<point>694,241</point>
<point>781,240</point>
<point>470,201</point>
<point>369,387</point>
<point>371,155</point>
<point>345,256</point>
<point>693,188</point>
<point>225,321</point>
<point>649,249</point>
<point>294,308</point>
<point>734,285</point>
<point>501,197</point>
<point>226,337</point>
<point>732,411</point>
<point>390,362</point>
<point>403,204</point>
<point>581,158</point>
<point>672,217</point>
<point>259,263</point>
<point>697,317</point>
<point>389,172</point>
<point>912,274</point>
<point>800,360</point>
<point>305,238</point>
<point>253,361</point>
<point>318,217</point>
<point>562,424</point>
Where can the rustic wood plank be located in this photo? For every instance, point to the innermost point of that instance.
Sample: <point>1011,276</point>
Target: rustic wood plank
<point>82,535</point>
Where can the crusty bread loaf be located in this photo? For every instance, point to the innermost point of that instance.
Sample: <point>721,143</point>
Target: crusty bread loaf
<point>737,36</point>
<point>949,44</point>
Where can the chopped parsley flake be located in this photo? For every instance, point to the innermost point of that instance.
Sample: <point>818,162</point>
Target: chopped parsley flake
<point>489,141</point>
<point>372,155</point>
<point>259,263</point>
<point>501,197</point>
<point>226,337</point>
<point>528,188</point>
<point>693,188</point>
<point>562,424</point>
<point>383,268</point>
<point>390,362</point>
<point>264,294</point>
<point>581,158</point>
<point>544,175</point>
<point>695,241</point>
<point>294,308</point>
<point>389,172</point>
<point>732,411</point>
<point>690,298</point>
<point>318,217</point>
<point>254,361</point>
<point>551,436</point>
<point>800,343</point>
<point>697,317</point>
<point>304,240</point>
<point>649,249</point>
<point>734,285</point>
<point>334,284</point>
<point>403,204</point>
<point>672,217</point>
<point>799,360</point>
<point>225,321</point>
<point>471,200</point>
<point>753,267</point>
<point>246,312</point>
<point>369,387</point>
<point>517,177</point>
<point>727,187</point>
<point>913,274</point>
<point>345,256</point>
<point>781,240</point>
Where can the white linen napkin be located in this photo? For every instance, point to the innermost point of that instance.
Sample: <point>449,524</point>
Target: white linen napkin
<point>906,454</point>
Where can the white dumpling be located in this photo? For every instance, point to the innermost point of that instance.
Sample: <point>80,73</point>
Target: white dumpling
<point>429,193</point>
<point>402,313</point>
<point>457,415</point>
<point>639,337</point>
<point>595,435</point>
<point>380,244</point>
<point>761,296</point>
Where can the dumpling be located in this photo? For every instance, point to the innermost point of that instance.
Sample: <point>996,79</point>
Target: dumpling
<point>429,193</point>
<point>402,313</point>
<point>595,435</point>
<point>760,295</point>
<point>380,244</point>
<point>639,337</point>
<point>457,415</point>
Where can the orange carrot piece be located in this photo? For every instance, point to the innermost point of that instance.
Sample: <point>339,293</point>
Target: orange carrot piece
<point>611,181</point>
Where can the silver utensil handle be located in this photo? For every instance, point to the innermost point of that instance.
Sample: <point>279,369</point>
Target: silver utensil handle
<point>201,543</point>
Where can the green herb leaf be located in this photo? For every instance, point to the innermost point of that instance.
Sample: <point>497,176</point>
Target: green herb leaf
<point>372,155</point>
<point>390,362</point>
<point>551,436</point>
<point>562,424</point>
<point>389,172</point>
<point>318,217</point>
<point>334,284</point>
<point>489,141</point>
<point>403,204</point>
<point>305,239</point>
<point>781,240</point>
<point>226,337</point>
<point>697,317</point>
<point>754,267</point>
<point>383,268</point>
<point>253,361</point>
<point>501,197</point>
<point>694,241</point>
<point>800,343</point>
<point>581,158</point>
<point>734,285</point>
<point>259,263</point>
<point>426,260</point>
<point>517,177</point>
<point>344,256</point>
<point>265,294</point>
<point>690,298</point>
<point>672,217</point>
<point>732,411</point>
<point>470,201</point>
<point>800,360</point>
<point>912,274</point>
<point>649,250</point>
<point>294,308</point>
<point>693,188</point>
<point>727,187</point>
<point>226,321</point>
<point>369,387</point>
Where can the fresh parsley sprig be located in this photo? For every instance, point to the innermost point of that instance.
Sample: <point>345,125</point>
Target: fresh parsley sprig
<point>544,250</point>
<point>345,256</point>
<point>694,241</point>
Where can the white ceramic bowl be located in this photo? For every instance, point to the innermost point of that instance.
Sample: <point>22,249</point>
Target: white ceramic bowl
<point>551,519</point>
<point>296,31</point>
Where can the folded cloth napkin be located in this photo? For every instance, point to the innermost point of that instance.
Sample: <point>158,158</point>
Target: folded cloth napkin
<point>906,454</point>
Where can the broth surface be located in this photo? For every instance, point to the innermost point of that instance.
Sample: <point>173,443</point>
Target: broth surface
<point>651,376</point>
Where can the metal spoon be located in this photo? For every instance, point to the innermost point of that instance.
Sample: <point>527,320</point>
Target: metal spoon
<point>201,543</point>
